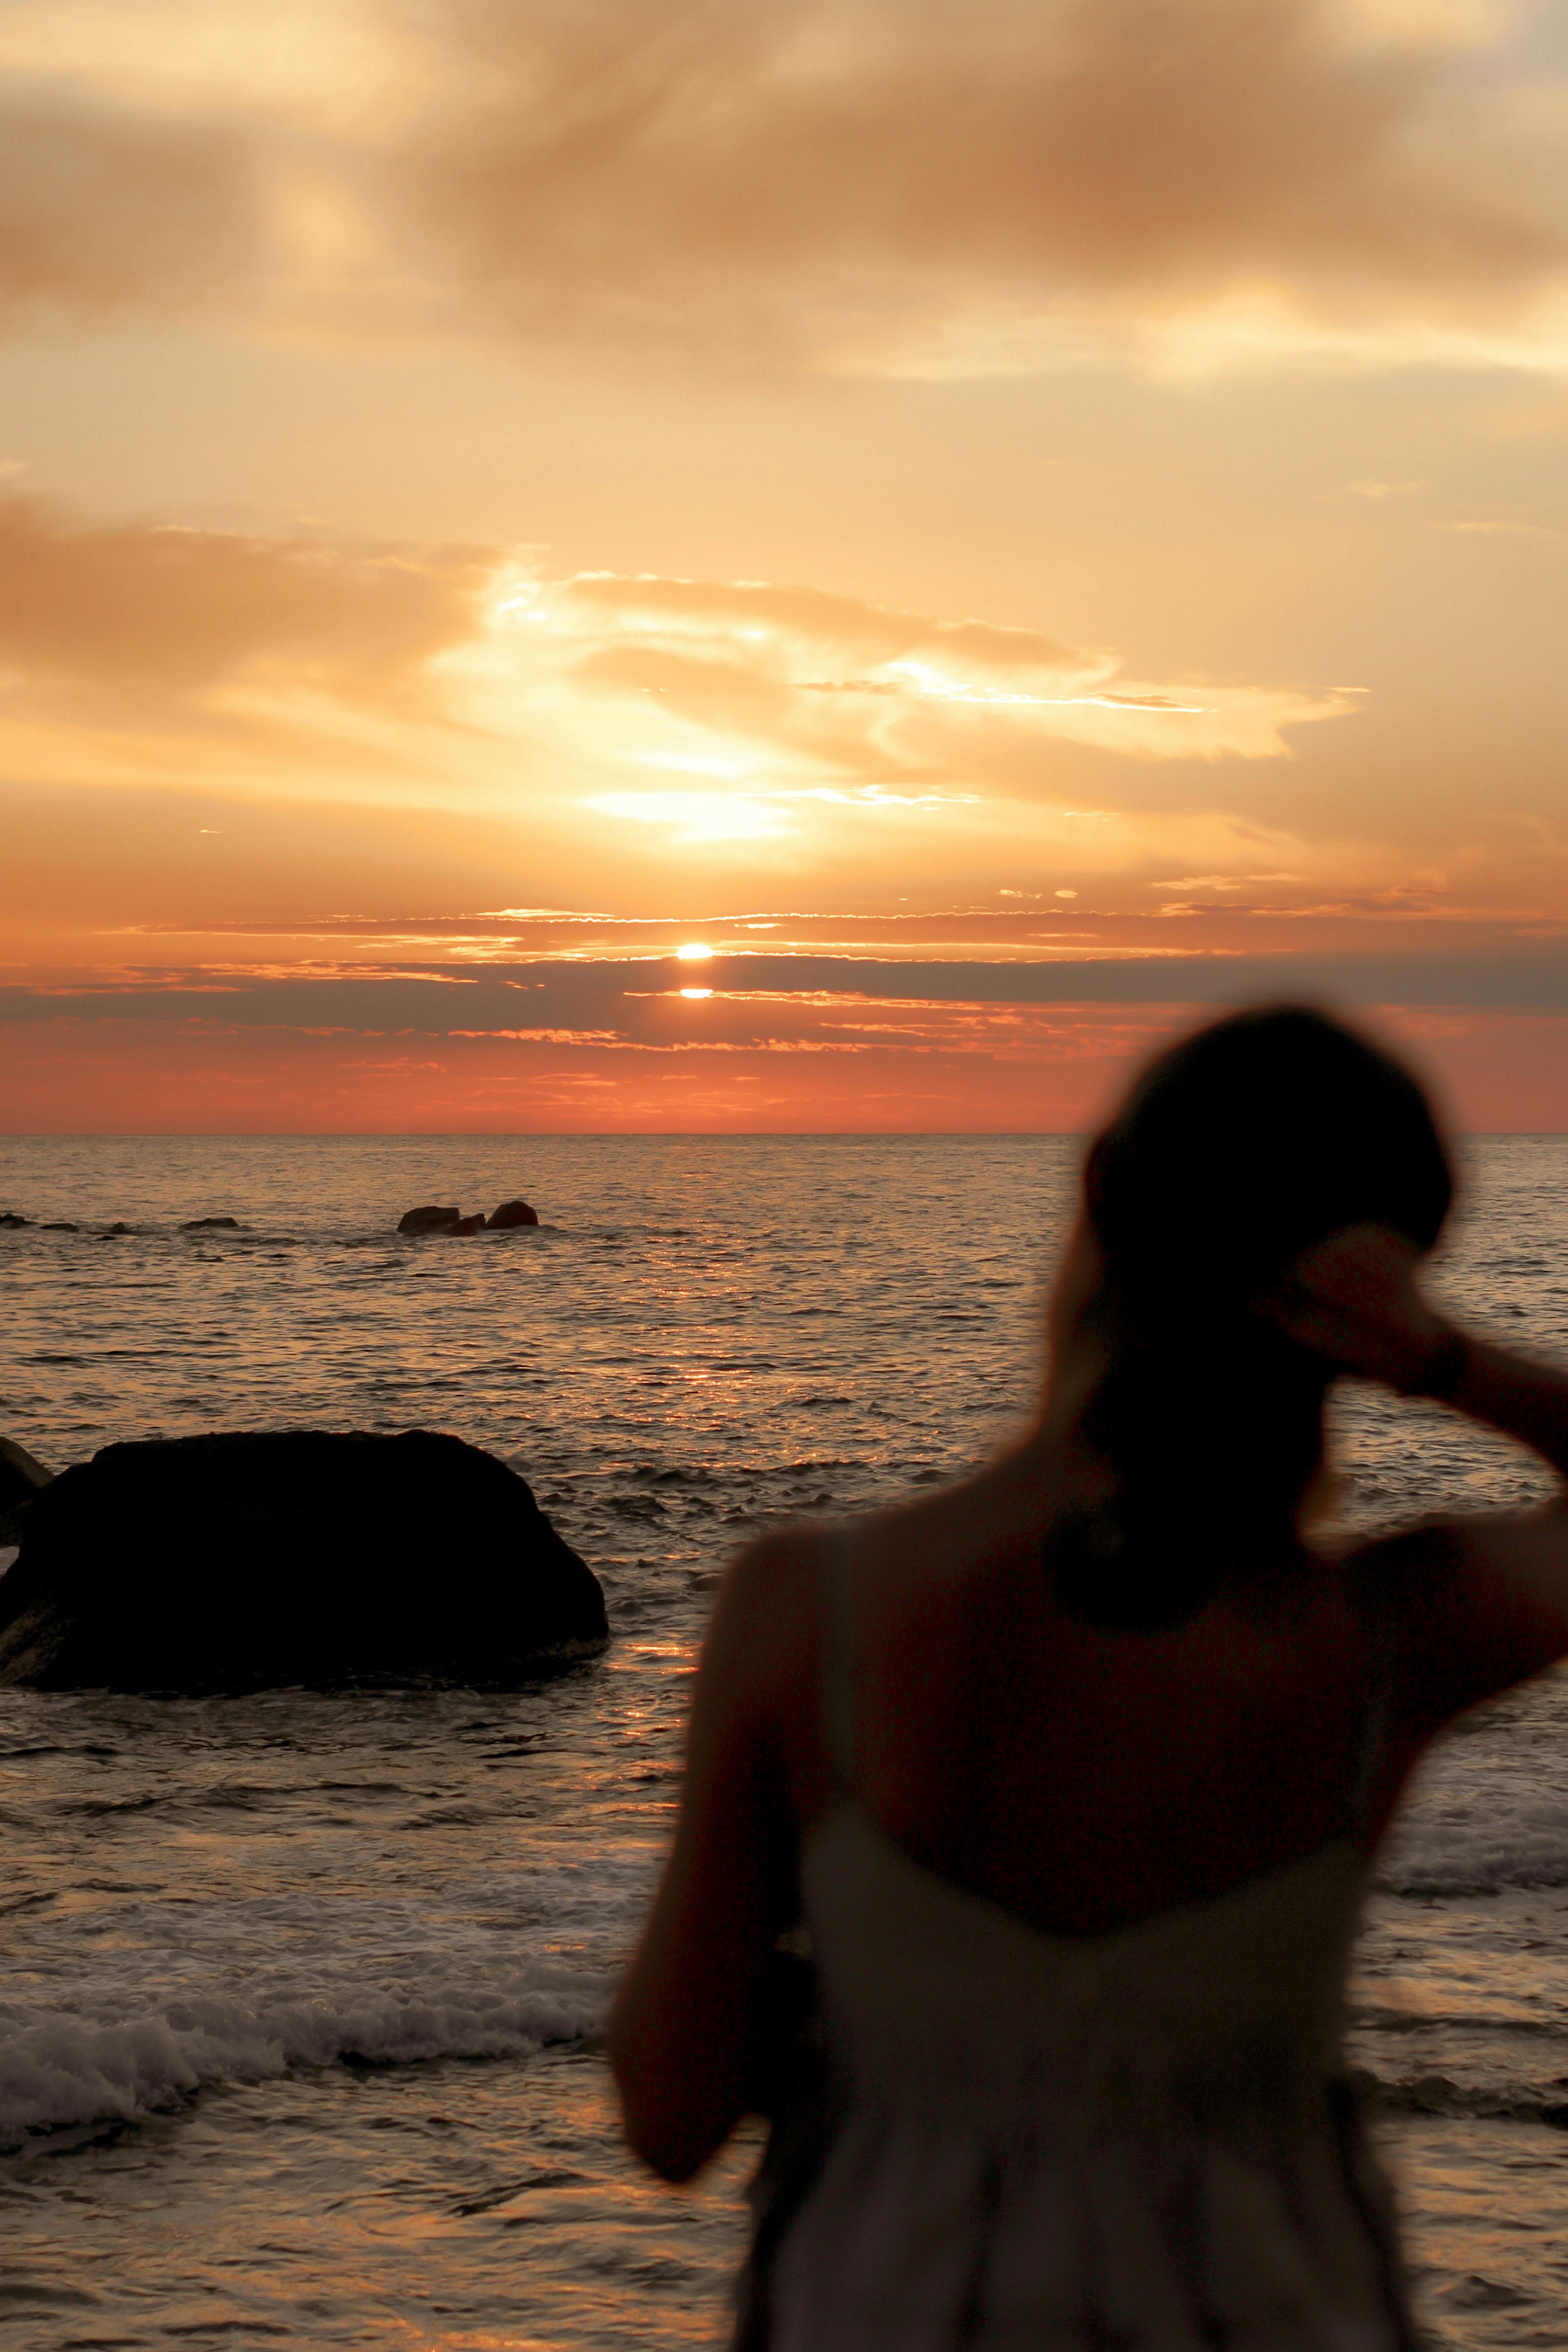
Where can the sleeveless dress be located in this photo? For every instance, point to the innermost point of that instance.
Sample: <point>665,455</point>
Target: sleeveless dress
<point>1140,2139</point>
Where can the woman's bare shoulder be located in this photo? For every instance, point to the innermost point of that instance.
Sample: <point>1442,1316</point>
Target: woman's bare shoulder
<point>775,1570</point>
<point>763,1647</point>
<point>761,1636</point>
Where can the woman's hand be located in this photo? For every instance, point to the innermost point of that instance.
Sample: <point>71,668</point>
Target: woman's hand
<point>1353,1299</point>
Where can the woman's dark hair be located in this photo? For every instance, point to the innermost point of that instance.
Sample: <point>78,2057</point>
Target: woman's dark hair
<point>1233,1152</point>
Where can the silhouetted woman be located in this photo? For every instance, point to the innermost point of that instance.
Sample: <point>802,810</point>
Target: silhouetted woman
<point>1074,1772</point>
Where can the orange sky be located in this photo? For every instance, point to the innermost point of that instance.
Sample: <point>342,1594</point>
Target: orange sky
<point>1005,521</point>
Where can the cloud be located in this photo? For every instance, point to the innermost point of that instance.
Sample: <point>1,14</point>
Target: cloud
<point>857,696</point>
<point>1054,1069</point>
<point>922,184</point>
<point>693,713</point>
<point>768,175</point>
<point>838,625</point>
<point>844,692</point>
<point>103,208</point>
<point>132,604</point>
<point>756,999</point>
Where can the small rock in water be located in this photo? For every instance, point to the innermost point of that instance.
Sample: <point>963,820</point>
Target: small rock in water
<point>429,1221</point>
<point>8,1217</point>
<point>513,1213</point>
<point>121,1229</point>
<point>210,1224</point>
<point>474,1224</point>
<point>60,1228</point>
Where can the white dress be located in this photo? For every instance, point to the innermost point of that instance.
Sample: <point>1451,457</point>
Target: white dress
<point>1139,2140</point>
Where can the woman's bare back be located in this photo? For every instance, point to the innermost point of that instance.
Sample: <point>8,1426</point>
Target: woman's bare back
<point>1085,1779</point>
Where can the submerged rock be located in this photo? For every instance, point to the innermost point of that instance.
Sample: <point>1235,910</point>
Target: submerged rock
<point>429,1221</point>
<point>61,1226</point>
<point>9,1219</point>
<point>240,1562</point>
<point>210,1225</point>
<point>513,1213</point>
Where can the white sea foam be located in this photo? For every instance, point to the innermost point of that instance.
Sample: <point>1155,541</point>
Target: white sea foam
<point>58,2069</point>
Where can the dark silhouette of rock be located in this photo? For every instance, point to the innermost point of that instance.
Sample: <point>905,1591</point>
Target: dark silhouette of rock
<point>513,1213</point>
<point>60,1228</point>
<point>240,1562</point>
<point>429,1221</point>
<point>210,1225</point>
<point>439,1221</point>
<point>121,1229</point>
<point>9,1219</point>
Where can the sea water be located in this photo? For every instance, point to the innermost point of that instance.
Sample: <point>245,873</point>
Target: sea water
<point>300,1993</point>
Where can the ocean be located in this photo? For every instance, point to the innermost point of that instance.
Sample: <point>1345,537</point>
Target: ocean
<point>301,1992</point>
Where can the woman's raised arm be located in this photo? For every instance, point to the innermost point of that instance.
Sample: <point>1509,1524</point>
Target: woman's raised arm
<point>1496,1582</point>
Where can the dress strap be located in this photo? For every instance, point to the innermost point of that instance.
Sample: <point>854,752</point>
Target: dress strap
<point>836,1635</point>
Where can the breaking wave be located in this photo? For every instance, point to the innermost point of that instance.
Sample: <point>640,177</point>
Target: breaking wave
<point>61,2071</point>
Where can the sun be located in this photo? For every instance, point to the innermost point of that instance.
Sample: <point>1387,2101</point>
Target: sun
<point>694,952</point>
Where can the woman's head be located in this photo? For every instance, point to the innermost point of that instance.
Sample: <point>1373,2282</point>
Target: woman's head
<point>1232,1153</point>
<point>1236,1150</point>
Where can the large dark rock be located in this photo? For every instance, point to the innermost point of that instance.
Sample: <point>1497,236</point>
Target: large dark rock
<point>241,1562</point>
<point>511,1213</point>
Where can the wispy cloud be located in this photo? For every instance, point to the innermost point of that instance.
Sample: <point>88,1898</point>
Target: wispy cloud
<point>737,679</point>
<point>711,711</point>
<point>175,611</point>
<point>106,208</point>
<point>873,167</point>
<point>760,999</point>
